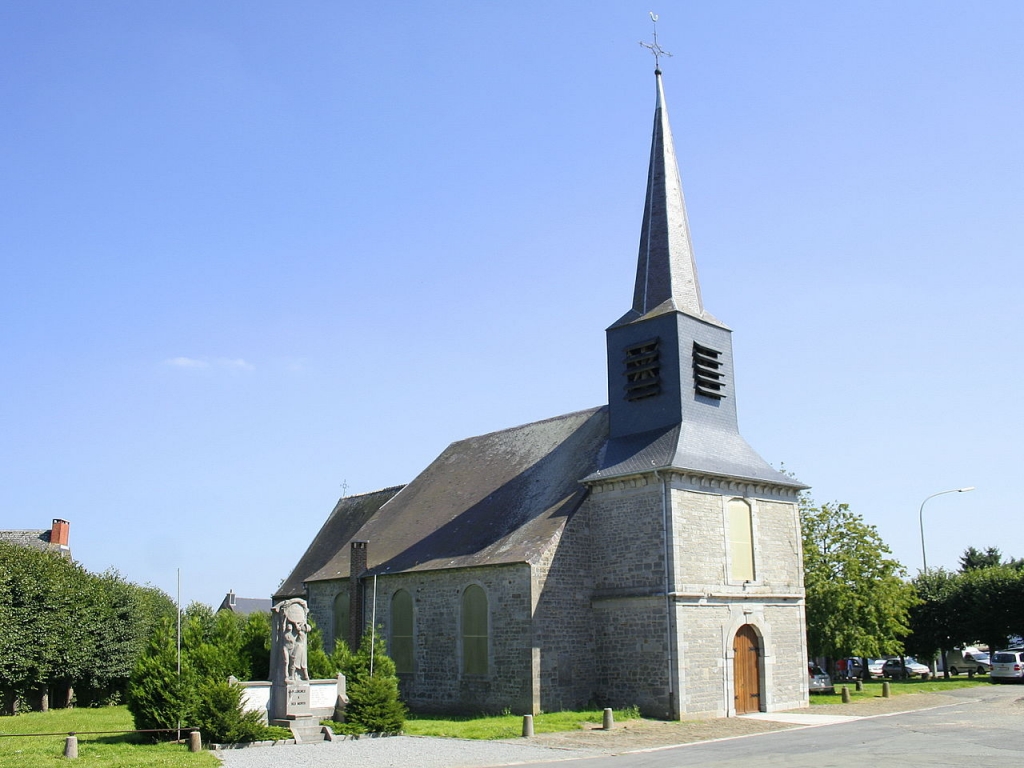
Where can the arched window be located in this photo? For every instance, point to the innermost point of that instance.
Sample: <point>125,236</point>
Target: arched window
<point>401,631</point>
<point>741,541</point>
<point>341,622</point>
<point>474,631</point>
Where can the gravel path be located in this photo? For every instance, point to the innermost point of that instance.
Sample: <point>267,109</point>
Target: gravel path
<point>396,752</point>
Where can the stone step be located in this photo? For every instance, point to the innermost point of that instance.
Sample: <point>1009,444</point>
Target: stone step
<point>304,730</point>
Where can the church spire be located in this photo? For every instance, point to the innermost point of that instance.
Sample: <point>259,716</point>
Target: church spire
<point>666,275</point>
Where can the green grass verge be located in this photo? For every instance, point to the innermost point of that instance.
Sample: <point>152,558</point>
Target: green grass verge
<point>873,690</point>
<point>507,726</point>
<point>112,750</point>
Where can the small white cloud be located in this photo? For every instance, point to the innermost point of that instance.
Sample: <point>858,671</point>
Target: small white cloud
<point>186,362</point>
<point>237,364</point>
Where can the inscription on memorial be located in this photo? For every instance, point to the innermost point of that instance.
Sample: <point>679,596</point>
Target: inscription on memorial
<point>298,699</point>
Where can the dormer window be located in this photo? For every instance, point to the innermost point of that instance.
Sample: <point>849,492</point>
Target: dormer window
<point>643,370</point>
<point>708,378</point>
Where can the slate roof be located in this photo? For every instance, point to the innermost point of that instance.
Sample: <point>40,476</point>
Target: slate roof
<point>245,605</point>
<point>502,497</point>
<point>347,517</point>
<point>29,538</point>
<point>666,277</point>
<point>696,447</point>
<point>487,500</point>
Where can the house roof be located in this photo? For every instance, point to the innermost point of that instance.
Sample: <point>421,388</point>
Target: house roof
<point>245,605</point>
<point>36,539</point>
<point>494,499</point>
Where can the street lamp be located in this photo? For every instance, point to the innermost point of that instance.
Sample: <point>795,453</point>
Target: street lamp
<point>924,557</point>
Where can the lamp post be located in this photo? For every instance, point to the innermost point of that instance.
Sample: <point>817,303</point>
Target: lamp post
<point>924,556</point>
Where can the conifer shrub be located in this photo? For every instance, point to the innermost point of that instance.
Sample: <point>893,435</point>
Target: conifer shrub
<point>374,703</point>
<point>157,696</point>
<point>213,648</point>
<point>220,716</point>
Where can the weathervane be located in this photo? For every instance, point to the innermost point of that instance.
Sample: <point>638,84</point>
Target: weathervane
<point>654,48</point>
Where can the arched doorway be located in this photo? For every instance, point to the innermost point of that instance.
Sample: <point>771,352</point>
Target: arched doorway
<point>746,665</point>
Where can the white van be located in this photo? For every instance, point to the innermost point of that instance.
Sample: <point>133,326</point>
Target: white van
<point>963,660</point>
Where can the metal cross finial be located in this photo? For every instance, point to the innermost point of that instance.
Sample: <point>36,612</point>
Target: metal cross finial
<point>654,48</point>
<point>344,488</point>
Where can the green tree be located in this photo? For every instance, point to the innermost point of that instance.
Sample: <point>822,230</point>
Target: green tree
<point>44,636</point>
<point>220,716</point>
<point>857,601</point>
<point>936,623</point>
<point>256,644</point>
<point>68,630</point>
<point>974,559</point>
<point>158,695</point>
<point>372,683</point>
<point>991,604</point>
<point>213,648</point>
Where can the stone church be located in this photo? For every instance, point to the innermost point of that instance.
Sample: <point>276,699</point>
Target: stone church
<point>639,553</point>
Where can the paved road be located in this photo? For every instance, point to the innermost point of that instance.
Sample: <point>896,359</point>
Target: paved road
<point>984,729</point>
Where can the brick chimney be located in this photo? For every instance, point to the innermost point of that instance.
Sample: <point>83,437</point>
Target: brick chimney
<point>59,532</point>
<point>357,567</point>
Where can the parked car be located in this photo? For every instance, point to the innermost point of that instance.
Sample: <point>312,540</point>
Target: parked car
<point>1007,665</point>
<point>909,667</point>
<point>958,661</point>
<point>818,681</point>
<point>853,669</point>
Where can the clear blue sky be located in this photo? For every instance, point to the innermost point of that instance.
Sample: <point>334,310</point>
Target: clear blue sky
<point>252,251</point>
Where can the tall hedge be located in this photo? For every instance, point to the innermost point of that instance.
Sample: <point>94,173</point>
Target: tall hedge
<point>66,630</point>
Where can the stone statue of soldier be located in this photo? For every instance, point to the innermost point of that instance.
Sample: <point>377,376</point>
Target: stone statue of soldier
<point>288,646</point>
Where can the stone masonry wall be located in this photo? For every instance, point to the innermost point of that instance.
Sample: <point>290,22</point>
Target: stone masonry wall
<point>631,611</point>
<point>632,653</point>
<point>629,606</point>
<point>703,640</point>
<point>789,659</point>
<point>437,682</point>
<point>320,599</point>
<point>626,523</point>
<point>563,627</point>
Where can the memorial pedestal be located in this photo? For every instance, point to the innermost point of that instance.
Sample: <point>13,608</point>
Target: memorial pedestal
<point>291,710</point>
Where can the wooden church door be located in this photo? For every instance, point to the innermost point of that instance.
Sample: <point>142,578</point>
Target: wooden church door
<point>747,670</point>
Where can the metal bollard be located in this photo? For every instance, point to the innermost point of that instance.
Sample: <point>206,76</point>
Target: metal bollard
<point>845,691</point>
<point>885,690</point>
<point>527,726</point>
<point>195,742</point>
<point>71,746</point>
<point>860,685</point>
<point>609,719</point>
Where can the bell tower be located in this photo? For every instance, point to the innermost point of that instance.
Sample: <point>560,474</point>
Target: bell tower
<point>698,593</point>
<point>671,389</point>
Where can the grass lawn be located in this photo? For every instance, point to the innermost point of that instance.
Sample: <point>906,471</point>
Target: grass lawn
<point>507,726</point>
<point>110,750</point>
<point>873,690</point>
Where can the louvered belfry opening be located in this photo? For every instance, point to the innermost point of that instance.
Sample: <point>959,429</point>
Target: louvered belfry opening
<point>643,370</point>
<point>708,377</point>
